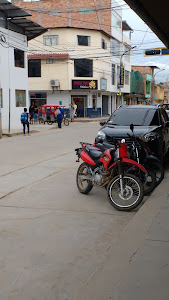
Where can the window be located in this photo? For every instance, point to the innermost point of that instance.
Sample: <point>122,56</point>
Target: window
<point>116,21</point>
<point>50,40</point>
<point>1,99</point>
<point>20,98</point>
<point>19,58</point>
<point>113,74</point>
<point>139,117</point>
<point>127,77</point>
<point>155,120</point>
<point>83,40</point>
<point>86,11</point>
<point>34,68</point>
<point>103,44</point>
<point>115,48</point>
<point>118,75</point>
<point>50,61</point>
<point>83,67</point>
<point>148,87</point>
<point>54,12</point>
<point>164,115</point>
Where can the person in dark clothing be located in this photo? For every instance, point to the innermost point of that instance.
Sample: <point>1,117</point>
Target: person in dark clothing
<point>59,117</point>
<point>26,122</point>
<point>31,112</point>
<point>35,116</point>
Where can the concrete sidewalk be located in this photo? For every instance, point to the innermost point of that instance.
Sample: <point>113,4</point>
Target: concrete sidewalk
<point>46,127</point>
<point>138,267</point>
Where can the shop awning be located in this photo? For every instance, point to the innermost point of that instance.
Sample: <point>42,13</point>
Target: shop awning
<point>155,14</point>
<point>12,11</point>
<point>16,16</point>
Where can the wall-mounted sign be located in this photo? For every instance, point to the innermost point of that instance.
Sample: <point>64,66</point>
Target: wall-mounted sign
<point>84,84</point>
<point>121,76</point>
<point>103,84</point>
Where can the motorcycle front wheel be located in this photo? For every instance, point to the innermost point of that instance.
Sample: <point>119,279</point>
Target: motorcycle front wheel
<point>132,192</point>
<point>83,179</point>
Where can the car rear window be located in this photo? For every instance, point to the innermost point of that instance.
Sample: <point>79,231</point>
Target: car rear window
<point>137,117</point>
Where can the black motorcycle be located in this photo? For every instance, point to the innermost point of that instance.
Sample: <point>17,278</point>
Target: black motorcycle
<point>140,151</point>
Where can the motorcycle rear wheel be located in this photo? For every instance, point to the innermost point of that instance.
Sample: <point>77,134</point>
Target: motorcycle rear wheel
<point>84,185</point>
<point>133,192</point>
<point>66,121</point>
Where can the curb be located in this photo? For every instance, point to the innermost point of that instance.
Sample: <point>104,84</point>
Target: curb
<point>17,133</point>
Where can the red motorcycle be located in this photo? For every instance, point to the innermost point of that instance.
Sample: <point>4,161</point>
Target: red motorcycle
<point>106,169</point>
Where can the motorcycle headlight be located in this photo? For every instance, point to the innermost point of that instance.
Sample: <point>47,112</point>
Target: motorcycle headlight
<point>151,136</point>
<point>101,135</point>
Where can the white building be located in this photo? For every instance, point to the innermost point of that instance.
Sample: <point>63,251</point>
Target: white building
<point>15,30</point>
<point>120,56</point>
<point>77,64</point>
<point>82,65</point>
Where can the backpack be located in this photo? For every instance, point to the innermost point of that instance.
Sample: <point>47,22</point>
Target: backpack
<point>24,117</point>
<point>57,112</point>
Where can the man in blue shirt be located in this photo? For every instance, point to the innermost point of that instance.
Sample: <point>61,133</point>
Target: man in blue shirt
<point>60,118</point>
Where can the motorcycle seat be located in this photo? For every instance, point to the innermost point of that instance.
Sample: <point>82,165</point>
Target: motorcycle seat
<point>93,152</point>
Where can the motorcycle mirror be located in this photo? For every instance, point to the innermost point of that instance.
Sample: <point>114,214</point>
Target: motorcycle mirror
<point>102,123</point>
<point>132,127</point>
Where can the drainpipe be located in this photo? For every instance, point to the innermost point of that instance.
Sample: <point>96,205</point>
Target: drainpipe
<point>70,14</point>
<point>40,12</point>
<point>99,14</point>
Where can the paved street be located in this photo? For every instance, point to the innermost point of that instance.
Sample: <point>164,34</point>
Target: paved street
<point>52,237</point>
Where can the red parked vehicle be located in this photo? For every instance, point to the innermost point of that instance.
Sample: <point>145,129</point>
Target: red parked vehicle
<point>48,114</point>
<point>107,169</point>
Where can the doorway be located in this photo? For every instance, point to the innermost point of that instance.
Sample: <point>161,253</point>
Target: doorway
<point>105,105</point>
<point>81,102</point>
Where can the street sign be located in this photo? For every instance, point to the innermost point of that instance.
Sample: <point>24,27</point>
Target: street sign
<point>156,52</point>
<point>121,84</point>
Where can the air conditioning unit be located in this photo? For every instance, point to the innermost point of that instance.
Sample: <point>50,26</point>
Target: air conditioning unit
<point>54,82</point>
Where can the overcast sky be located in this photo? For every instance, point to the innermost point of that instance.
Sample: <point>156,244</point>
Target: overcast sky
<point>144,38</point>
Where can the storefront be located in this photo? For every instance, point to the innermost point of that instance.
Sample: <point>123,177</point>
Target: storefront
<point>90,101</point>
<point>84,94</point>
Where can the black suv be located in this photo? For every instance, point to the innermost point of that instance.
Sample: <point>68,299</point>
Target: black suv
<point>150,122</point>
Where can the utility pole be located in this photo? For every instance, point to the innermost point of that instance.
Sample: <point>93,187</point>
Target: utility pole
<point>122,71</point>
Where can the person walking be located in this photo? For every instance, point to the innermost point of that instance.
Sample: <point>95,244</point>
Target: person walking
<point>35,116</point>
<point>25,120</point>
<point>75,108</point>
<point>71,112</point>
